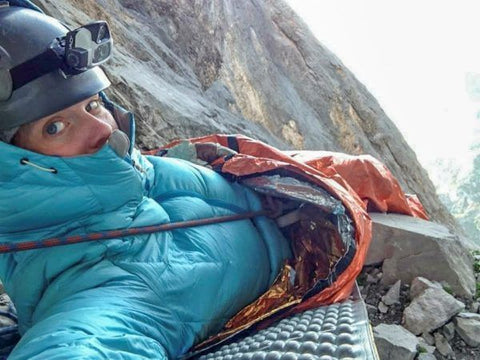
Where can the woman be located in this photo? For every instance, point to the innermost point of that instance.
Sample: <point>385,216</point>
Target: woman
<point>141,297</point>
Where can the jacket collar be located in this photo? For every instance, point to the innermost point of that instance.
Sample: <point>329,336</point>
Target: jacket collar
<point>124,118</point>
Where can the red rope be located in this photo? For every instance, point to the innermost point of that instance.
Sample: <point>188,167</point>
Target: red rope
<point>118,233</point>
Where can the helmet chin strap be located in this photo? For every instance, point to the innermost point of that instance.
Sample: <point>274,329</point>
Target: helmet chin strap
<point>119,142</point>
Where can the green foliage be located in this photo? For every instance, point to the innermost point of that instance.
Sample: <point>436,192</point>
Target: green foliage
<point>476,263</point>
<point>476,266</point>
<point>362,280</point>
<point>421,349</point>
<point>448,289</point>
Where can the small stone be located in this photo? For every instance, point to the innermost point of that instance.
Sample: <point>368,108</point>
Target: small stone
<point>467,326</point>
<point>382,307</point>
<point>422,345</point>
<point>394,342</point>
<point>429,339</point>
<point>364,292</point>
<point>371,279</point>
<point>393,294</point>
<point>371,310</point>
<point>374,271</point>
<point>475,307</point>
<point>448,331</point>
<point>426,356</point>
<point>443,346</point>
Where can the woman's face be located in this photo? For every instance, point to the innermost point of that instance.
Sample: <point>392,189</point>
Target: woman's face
<point>80,129</point>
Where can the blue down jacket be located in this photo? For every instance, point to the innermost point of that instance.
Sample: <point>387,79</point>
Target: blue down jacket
<point>141,297</point>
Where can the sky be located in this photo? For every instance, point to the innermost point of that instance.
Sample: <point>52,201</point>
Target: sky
<point>415,57</point>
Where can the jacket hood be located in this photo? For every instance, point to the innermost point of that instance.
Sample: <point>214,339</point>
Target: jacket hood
<point>39,191</point>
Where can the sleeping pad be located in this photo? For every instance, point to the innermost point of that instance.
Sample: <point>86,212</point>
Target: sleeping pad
<point>140,297</point>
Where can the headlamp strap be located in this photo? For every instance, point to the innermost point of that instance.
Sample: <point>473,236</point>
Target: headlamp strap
<point>92,46</point>
<point>34,68</point>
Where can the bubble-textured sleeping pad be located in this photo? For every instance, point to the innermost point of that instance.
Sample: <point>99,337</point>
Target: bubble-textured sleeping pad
<point>337,331</point>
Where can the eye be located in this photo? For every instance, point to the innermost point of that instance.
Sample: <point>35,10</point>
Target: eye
<point>54,128</point>
<point>93,105</point>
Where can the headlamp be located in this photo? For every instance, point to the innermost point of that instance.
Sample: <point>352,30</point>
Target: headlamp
<point>88,46</point>
<point>79,50</point>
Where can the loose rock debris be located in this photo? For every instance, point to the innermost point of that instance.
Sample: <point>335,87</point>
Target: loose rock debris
<point>456,338</point>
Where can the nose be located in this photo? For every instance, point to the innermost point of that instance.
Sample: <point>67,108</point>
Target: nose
<point>96,132</point>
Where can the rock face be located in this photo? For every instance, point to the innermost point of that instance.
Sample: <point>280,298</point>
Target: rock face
<point>188,68</point>
<point>412,247</point>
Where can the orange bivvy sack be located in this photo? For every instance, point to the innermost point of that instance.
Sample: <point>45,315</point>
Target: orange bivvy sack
<point>320,201</point>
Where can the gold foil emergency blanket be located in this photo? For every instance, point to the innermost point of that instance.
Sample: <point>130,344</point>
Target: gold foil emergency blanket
<point>316,247</point>
<point>319,232</point>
